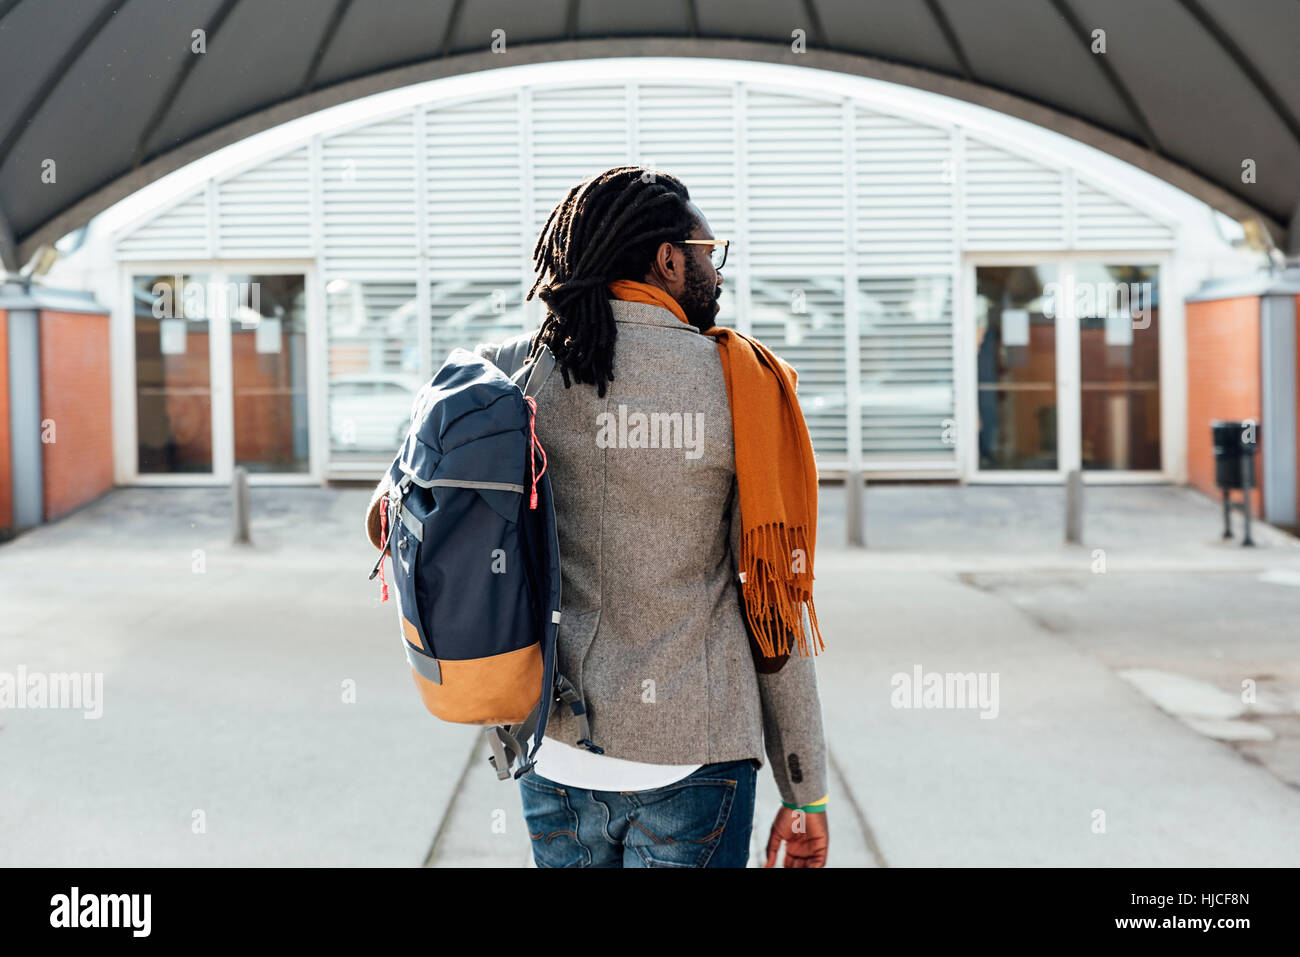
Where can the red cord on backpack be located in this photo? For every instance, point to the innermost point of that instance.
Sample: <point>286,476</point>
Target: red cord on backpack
<point>383,537</point>
<point>534,445</point>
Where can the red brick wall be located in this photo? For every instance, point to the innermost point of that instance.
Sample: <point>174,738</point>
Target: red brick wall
<point>1223,382</point>
<point>6,473</point>
<point>76,395</point>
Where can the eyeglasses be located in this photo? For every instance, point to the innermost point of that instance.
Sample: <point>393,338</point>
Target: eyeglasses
<point>717,255</point>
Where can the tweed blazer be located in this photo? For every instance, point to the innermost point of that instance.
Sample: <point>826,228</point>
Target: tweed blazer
<point>652,630</point>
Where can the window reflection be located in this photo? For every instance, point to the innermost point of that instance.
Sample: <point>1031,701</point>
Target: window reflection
<point>1119,361</point>
<point>268,344</point>
<point>172,373</point>
<point>469,311</point>
<point>374,366</point>
<point>1015,341</point>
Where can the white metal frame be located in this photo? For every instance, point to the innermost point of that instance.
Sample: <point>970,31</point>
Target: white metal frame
<point>123,360</point>
<point>1068,376</point>
<point>852,94</point>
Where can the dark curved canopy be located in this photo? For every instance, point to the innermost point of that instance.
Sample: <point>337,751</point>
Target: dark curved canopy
<point>112,92</point>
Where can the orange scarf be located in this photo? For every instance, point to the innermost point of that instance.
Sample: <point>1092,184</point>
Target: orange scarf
<point>776,478</point>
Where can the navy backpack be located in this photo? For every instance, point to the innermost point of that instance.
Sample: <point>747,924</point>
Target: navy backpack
<point>469,522</point>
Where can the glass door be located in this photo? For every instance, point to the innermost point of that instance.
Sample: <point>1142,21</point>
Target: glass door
<point>1017,339</point>
<point>221,362</point>
<point>1066,368</point>
<point>268,369</point>
<point>173,374</point>
<point>1119,359</point>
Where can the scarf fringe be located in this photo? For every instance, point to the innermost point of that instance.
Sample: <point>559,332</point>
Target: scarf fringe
<point>775,594</point>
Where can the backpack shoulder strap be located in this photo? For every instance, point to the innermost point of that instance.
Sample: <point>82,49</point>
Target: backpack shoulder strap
<point>508,356</point>
<point>530,377</point>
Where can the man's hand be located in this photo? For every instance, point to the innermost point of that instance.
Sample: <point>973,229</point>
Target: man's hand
<point>805,847</point>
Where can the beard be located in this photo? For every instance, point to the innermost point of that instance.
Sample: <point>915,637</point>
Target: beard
<point>699,297</point>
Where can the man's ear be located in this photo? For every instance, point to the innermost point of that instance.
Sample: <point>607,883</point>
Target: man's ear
<point>662,265</point>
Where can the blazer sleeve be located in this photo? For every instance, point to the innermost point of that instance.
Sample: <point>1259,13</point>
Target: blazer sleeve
<point>792,714</point>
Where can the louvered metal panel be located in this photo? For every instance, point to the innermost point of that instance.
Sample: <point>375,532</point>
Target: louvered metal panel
<point>1011,202</point>
<point>576,132</point>
<point>460,209</point>
<point>1105,222</point>
<point>905,362</point>
<point>368,200</point>
<point>801,318</point>
<point>266,211</point>
<point>904,184</point>
<point>795,181</point>
<point>467,311</point>
<point>473,190</point>
<point>180,232</point>
<point>697,145</point>
<point>905,238</point>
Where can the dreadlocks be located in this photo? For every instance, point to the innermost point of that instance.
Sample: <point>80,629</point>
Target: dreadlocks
<point>606,228</point>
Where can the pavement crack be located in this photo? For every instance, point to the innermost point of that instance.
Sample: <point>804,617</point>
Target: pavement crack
<point>456,792</point>
<point>868,835</point>
<point>971,579</point>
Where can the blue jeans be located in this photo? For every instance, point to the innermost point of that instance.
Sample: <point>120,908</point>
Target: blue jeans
<point>703,820</point>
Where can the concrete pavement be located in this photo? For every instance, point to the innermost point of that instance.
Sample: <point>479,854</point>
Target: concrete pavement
<point>257,708</point>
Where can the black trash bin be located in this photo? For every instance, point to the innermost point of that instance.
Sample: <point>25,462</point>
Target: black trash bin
<point>1235,444</point>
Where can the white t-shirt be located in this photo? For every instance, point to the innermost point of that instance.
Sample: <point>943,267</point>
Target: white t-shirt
<point>580,768</point>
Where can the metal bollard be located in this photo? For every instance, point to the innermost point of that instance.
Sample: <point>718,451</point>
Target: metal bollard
<point>853,503</point>
<point>1074,507</point>
<point>240,488</point>
<point>1248,481</point>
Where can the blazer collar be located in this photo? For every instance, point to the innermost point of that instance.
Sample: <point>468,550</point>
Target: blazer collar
<point>645,314</point>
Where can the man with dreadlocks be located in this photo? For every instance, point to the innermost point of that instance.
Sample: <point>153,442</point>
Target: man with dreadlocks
<point>686,576</point>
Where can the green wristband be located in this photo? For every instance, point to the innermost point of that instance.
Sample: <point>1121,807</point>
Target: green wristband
<point>806,807</point>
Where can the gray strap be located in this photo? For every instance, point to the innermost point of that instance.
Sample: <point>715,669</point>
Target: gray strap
<point>426,665</point>
<point>505,749</point>
<point>466,483</point>
<point>412,523</point>
<point>543,365</point>
<point>498,759</point>
<point>511,360</point>
<point>530,377</point>
<point>569,695</point>
<point>505,742</point>
<point>510,742</point>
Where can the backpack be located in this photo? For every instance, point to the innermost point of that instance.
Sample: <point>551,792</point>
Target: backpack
<point>469,522</point>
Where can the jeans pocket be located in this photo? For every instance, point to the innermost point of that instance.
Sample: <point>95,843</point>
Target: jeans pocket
<point>681,826</point>
<point>552,825</point>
